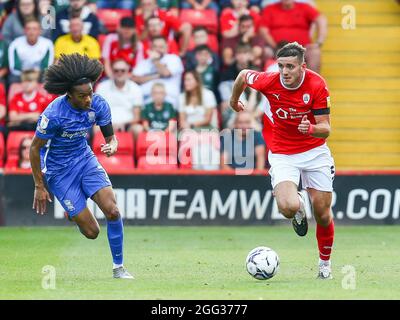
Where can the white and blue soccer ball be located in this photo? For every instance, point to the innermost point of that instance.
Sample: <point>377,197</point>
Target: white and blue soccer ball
<point>262,263</point>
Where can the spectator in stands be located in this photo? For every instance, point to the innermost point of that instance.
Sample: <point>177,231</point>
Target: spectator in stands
<point>77,42</point>
<point>160,67</point>
<point>23,153</point>
<point>159,114</point>
<point>229,20</point>
<point>61,5</point>
<point>243,59</point>
<point>124,97</point>
<point>13,26</point>
<point>26,106</point>
<point>242,147</point>
<point>154,27</point>
<point>3,60</point>
<point>3,108</point>
<point>200,5</point>
<point>291,21</point>
<point>77,9</point>
<point>30,51</point>
<point>247,35</point>
<point>116,4</point>
<point>197,105</point>
<point>124,46</point>
<point>6,6</point>
<point>205,68</point>
<point>200,37</point>
<point>171,22</point>
<point>172,6</point>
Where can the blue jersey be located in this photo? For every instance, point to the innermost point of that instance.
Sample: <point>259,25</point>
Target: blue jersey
<point>66,129</point>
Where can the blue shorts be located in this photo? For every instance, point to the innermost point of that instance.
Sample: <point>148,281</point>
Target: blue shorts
<point>74,187</point>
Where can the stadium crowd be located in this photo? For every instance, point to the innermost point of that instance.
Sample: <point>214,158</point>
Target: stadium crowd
<point>169,66</point>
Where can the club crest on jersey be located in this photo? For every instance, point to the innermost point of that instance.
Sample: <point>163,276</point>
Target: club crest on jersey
<point>306,98</point>
<point>91,116</point>
<point>44,122</point>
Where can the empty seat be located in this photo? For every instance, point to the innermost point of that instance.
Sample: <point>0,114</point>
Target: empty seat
<point>116,163</point>
<point>157,149</point>
<point>199,150</point>
<point>205,18</point>
<point>126,144</point>
<point>13,142</point>
<point>111,17</point>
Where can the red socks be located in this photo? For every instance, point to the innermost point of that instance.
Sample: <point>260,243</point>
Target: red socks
<point>325,237</point>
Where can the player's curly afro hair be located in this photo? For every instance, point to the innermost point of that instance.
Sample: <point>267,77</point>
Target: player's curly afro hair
<point>71,70</point>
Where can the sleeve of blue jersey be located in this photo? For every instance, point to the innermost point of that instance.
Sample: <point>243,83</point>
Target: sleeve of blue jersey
<point>46,127</point>
<point>103,116</point>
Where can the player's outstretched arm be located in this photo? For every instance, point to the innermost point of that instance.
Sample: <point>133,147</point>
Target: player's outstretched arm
<point>238,88</point>
<point>41,196</point>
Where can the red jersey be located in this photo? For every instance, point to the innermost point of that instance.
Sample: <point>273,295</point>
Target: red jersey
<point>170,21</point>
<point>290,25</point>
<point>286,107</point>
<point>37,104</point>
<point>128,54</point>
<point>229,18</point>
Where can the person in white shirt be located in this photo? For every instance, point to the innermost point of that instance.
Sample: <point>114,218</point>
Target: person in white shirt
<point>160,67</point>
<point>197,105</point>
<point>124,97</point>
<point>30,51</point>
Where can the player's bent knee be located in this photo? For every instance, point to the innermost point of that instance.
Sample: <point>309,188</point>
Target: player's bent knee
<point>92,233</point>
<point>112,214</point>
<point>288,208</point>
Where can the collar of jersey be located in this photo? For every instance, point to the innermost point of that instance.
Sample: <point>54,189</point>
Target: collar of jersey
<point>302,80</point>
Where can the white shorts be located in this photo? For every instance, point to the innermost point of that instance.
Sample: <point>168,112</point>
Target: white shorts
<point>315,167</point>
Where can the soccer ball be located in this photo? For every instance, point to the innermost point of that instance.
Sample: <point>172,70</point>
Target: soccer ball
<point>262,263</point>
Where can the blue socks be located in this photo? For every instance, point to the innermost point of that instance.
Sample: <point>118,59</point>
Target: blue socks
<point>115,234</point>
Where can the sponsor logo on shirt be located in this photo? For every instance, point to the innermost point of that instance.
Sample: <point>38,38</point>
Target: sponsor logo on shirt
<point>71,135</point>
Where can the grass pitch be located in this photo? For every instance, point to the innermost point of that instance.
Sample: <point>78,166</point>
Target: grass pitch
<point>197,263</point>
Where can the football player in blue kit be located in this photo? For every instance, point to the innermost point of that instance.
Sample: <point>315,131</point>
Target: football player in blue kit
<point>61,155</point>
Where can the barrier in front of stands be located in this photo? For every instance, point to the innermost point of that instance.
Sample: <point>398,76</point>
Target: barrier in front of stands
<point>209,198</point>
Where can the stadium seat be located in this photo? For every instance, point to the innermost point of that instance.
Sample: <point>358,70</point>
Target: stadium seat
<point>123,159</point>
<point>13,142</point>
<point>116,162</point>
<point>111,17</point>
<point>212,43</point>
<point>2,155</point>
<point>205,18</point>
<point>126,145</point>
<point>157,149</point>
<point>199,150</point>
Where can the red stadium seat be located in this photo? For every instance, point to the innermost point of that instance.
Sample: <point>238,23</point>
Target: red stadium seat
<point>205,18</point>
<point>116,162</point>
<point>157,150</point>
<point>212,43</point>
<point>2,155</point>
<point>111,17</point>
<point>13,142</point>
<point>126,145</point>
<point>157,162</point>
<point>198,148</point>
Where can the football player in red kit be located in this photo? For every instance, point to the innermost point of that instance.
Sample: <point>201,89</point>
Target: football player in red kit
<point>296,124</point>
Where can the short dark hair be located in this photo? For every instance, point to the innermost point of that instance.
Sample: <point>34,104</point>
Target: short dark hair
<point>292,49</point>
<point>243,47</point>
<point>245,17</point>
<point>71,70</point>
<point>158,38</point>
<point>127,22</point>
<point>202,47</point>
